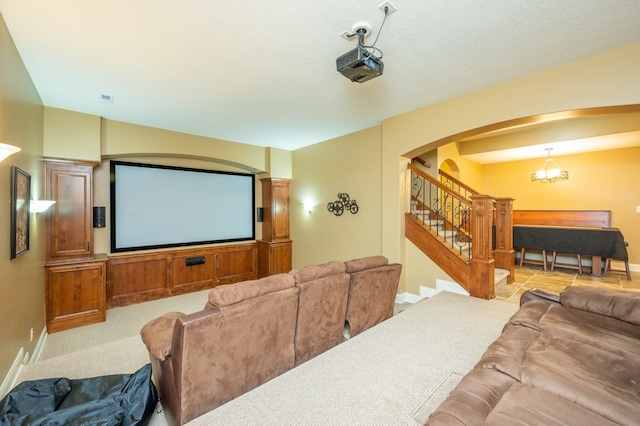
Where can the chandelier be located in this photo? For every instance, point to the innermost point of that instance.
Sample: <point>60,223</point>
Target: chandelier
<point>550,171</point>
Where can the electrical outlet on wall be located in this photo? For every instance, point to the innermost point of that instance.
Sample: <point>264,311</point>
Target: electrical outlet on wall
<point>637,209</point>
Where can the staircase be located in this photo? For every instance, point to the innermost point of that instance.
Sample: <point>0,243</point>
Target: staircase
<point>467,234</point>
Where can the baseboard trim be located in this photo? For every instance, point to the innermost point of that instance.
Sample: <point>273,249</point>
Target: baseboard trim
<point>619,266</point>
<point>441,285</point>
<point>450,286</point>
<point>13,374</point>
<point>425,292</point>
<point>38,350</point>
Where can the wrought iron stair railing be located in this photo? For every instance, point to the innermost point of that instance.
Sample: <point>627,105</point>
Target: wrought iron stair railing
<point>456,185</point>
<point>442,211</point>
<point>470,233</point>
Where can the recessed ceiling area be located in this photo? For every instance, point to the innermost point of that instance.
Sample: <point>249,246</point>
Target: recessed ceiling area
<point>264,73</point>
<point>566,136</point>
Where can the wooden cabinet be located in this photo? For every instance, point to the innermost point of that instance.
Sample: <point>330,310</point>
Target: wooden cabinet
<point>274,257</point>
<point>75,293</point>
<point>275,248</point>
<point>275,201</point>
<point>74,278</point>
<point>69,228</point>
<point>138,278</point>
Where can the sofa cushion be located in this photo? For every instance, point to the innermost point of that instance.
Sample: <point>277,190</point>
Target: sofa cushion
<point>315,272</point>
<point>322,310</point>
<point>620,304</point>
<point>529,315</point>
<point>363,263</point>
<point>596,379</point>
<point>603,332</point>
<point>158,333</point>
<point>372,294</point>
<point>225,295</point>
<point>473,399</point>
<point>525,405</point>
<point>507,353</point>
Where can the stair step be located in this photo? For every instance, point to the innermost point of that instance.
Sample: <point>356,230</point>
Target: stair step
<point>500,277</point>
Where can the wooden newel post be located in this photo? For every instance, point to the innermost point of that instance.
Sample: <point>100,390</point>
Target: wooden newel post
<point>504,253</point>
<point>481,279</point>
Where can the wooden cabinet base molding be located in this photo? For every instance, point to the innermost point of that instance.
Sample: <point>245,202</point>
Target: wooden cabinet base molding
<point>274,257</point>
<point>138,278</point>
<point>75,293</point>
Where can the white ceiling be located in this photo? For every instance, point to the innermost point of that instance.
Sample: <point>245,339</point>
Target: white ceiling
<point>263,72</point>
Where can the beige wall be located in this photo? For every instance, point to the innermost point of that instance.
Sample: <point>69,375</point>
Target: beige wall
<point>69,134</point>
<point>350,164</point>
<point>121,140</point>
<point>607,79</point>
<point>470,172</point>
<point>604,180</point>
<point>22,282</point>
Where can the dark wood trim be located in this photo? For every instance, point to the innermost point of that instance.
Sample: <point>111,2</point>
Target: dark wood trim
<point>422,162</point>
<point>580,218</point>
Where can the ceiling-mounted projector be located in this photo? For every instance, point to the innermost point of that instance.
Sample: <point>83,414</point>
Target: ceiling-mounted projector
<point>359,65</point>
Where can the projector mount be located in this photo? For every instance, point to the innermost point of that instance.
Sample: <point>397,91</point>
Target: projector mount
<point>361,64</point>
<point>361,29</point>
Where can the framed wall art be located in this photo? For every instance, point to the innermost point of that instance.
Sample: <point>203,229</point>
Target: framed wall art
<point>20,199</point>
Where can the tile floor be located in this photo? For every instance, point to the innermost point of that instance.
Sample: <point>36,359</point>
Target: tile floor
<point>528,277</point>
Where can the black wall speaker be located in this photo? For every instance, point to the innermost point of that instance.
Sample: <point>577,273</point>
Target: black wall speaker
<point>260,214</point>
<point>99,217</point>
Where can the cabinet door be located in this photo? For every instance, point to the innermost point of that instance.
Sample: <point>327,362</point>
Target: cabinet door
<point>281,257</point>
<point>75,295</point>
<point>275,200</point>
<point>274,257</point>
<point>280,208</point>
<point>69,224</point>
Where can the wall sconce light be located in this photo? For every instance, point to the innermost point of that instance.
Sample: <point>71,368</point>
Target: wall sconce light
<point>7,150</point>
<point>307,207</point>
<point>343,203</point>
<point>40,206</point>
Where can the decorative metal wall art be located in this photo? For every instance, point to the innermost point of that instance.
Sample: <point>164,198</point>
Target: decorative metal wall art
<point>343,203</point>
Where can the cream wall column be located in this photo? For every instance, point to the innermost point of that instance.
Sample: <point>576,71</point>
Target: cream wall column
<point>22,282</point>
<point>607,79</point>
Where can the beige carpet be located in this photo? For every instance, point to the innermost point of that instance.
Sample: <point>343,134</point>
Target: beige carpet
<point>396,373</point>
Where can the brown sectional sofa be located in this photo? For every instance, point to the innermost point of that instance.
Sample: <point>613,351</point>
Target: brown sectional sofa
<point>250,332</point>
<point>567,360</point>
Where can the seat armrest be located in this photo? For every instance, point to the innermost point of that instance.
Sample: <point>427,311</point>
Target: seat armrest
<point>158,333</point>
<point>623,305</point>
<point>535,294</point>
